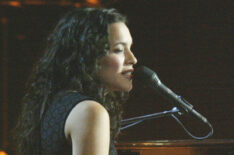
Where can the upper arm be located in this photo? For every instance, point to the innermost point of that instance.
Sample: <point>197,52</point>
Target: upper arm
<point>88,127</point>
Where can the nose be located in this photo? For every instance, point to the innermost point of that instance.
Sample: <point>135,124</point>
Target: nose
<point>130,58</point>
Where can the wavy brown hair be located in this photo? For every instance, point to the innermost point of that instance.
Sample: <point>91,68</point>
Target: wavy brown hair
<point>70,63</point>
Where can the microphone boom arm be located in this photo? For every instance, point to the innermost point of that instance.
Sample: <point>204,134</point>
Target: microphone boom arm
<point>168,94</point>
<point>149,116</point>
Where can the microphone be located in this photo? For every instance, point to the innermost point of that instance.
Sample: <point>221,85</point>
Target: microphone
<point>150,78</point>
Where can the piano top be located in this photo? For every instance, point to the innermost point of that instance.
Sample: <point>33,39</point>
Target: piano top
<point>178,143</point>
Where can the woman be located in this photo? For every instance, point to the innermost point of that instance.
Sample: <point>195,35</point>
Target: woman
<point>73,99</point>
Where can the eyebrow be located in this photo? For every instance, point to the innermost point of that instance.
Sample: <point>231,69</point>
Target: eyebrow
<point>122,43</point>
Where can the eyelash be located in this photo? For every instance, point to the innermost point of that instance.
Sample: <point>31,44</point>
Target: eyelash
<point>118,50</point>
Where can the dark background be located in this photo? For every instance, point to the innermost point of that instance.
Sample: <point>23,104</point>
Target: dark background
<point>188,43</point>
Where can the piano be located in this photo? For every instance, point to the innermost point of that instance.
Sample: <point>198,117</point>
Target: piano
<point>177,147</point>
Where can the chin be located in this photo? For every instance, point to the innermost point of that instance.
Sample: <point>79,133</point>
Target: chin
<point>128,89</point>
<point>125,88</point>
<point>121,86</point>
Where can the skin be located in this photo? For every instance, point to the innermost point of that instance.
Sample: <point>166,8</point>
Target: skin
<point>118,60</point>
<point>88,124</point>
<point>88,129</point>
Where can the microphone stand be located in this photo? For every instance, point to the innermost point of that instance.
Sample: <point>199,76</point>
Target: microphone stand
<point>126,123</point>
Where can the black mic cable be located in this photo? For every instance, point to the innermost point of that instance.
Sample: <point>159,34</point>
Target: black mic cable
<point>150,78</point>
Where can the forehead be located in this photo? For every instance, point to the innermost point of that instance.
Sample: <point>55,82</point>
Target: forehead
<point>119,32</point>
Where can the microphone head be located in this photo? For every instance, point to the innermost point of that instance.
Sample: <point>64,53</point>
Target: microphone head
<point>146,75</point>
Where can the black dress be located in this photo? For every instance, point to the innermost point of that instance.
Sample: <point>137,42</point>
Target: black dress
<point>53,141</point>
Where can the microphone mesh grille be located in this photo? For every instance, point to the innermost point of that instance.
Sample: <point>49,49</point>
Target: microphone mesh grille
<point>143,73</point>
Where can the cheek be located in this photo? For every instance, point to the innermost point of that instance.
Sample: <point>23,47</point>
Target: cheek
<point>113,63</point>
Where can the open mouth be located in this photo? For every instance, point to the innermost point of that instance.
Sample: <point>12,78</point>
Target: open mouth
<point>128,74</point>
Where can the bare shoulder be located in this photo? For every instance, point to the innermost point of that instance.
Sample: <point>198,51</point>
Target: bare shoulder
<point>88,129</point>
<point>86,112</point>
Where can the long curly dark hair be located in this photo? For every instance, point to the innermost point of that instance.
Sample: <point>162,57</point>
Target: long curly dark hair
<point>70,63</point>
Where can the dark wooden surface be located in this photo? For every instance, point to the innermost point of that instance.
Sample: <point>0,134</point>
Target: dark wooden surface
<point>178,147</point>
<point>178,143</point>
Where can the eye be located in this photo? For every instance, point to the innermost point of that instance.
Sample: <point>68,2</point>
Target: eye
<point>118,50</point>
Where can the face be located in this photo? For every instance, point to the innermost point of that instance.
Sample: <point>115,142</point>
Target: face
<point>117,67</point>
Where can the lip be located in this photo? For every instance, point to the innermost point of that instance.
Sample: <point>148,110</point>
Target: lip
<point>128,76</point>
<point>126,71</point>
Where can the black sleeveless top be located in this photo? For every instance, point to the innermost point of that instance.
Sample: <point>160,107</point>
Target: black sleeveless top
<point>53,141</point>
